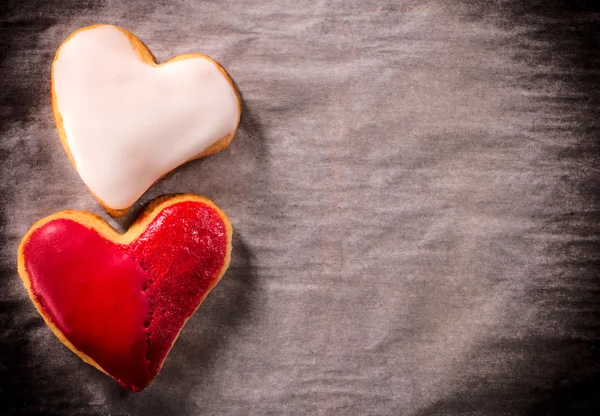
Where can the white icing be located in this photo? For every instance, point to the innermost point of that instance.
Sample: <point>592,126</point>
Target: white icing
<point>128,123</point>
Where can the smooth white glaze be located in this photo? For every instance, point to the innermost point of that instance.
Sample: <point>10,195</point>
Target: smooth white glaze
<point>128,123</point>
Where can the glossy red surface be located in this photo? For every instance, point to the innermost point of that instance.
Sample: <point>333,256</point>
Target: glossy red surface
<point>124,305</point>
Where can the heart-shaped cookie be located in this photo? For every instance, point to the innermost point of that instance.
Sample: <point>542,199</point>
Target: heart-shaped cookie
<point>119,300</point>
<point>126,121</point>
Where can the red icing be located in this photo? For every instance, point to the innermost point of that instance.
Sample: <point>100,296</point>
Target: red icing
<point>123,305</point>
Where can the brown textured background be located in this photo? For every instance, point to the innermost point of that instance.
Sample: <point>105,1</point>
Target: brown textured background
<point>414,193</point>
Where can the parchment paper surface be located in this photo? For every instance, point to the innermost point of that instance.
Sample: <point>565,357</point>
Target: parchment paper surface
<point>414,195</point>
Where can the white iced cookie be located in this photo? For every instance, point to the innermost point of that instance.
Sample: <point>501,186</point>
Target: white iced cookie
<point>126,121</point>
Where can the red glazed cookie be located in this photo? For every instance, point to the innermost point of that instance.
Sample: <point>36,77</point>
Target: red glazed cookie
<point>119,301</point>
